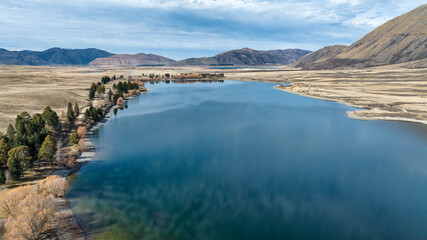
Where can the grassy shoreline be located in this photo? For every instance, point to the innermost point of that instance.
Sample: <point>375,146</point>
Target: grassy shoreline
<point>382,116</point>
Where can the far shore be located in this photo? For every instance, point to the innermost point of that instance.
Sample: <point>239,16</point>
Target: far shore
<point>353,114</point>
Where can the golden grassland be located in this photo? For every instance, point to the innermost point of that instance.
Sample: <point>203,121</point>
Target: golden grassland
<point>392,91</point>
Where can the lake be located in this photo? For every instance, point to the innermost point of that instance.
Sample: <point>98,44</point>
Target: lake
<point>242,160</point>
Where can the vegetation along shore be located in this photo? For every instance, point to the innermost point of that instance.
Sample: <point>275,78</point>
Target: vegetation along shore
<point>39,151</point>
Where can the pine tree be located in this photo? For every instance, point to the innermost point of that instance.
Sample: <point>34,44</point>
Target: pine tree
<point>4,149</point>
<point>51,118</point>
<point>110,94</point>
<point>15,168</point>
<point>76,109</point>
<point>70,113</point>
<point>91,93</point>
<point>48,150</point>
<point>2,177</point>
<point>21,154</point>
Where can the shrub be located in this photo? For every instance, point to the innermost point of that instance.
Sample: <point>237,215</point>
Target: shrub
<point>31,219</point>
<point>71,161</point>
<point>10,200</point>
<point>83,145</point>
<point>53,185</point>
<point>74,138</point>
<point>82,132</point>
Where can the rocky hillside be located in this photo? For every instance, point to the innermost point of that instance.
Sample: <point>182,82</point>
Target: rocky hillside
<point>402,39</point>
<point>127,60</point>
<point>246,57</point>
<point>319,57</point>
<point>53,56</point>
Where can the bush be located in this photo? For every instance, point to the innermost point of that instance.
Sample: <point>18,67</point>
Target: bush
<point>71,161</point>
<point>83,145</point>
<point>82,132</point>
<point>74,138</point>
<point>53,185</point>
<point>31,219</point>
<point>10,200</point>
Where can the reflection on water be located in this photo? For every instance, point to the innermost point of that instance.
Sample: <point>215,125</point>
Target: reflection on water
<point>240,160</point>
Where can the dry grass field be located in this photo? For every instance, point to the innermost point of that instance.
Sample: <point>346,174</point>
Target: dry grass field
<point>394,92</point>
<point>390,93</point>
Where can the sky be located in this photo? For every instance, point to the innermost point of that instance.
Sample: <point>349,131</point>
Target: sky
<point>180,29</point>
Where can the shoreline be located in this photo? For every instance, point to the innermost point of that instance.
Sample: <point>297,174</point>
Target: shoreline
<point>353,114</point>
<point>72,230</point>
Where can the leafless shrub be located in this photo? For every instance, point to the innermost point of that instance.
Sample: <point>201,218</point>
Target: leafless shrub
<point>10,200</point>
<point>53,185</point>
<point>31,218</point>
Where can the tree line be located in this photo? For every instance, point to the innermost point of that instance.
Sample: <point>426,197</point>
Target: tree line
<point>29,140</point>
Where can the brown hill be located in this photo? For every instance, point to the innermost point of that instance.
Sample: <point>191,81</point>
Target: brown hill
<point>319,57</point>
<point>246,57</point>
<point>402,39</point>
<point>52,56</point>
<point>128,60</point>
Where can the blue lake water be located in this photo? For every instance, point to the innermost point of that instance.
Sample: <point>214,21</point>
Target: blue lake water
<point>242,160</point>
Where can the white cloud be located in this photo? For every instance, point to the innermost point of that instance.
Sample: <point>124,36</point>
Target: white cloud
<point>214,25</point>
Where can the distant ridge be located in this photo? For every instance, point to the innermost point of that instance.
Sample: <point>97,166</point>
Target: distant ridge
<point>318,58</point>
<point>52,56</point>
<point>128,60</point>
<point>246,57</point>
<point>400,40</point>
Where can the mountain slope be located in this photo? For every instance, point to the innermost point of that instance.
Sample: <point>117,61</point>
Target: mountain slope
<point>318,58</point>
<point>127,60</point>
<point>399,40</point>
<point>246,57</point>
<point>52,56</point>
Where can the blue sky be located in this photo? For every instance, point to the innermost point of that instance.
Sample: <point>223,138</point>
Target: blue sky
<point>191,28</point>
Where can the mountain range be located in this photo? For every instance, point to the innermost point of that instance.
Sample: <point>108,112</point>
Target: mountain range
<point>246,57</point>
<point>128,60</point>
<point>52,56</point>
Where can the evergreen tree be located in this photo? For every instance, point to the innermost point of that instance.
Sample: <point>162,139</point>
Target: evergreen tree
<point>110,94</point>
<point>37,123</point>
<point>100,89</point>
<point>4,150</point>
<point>48,150</point>
<point>70,113</point>
<point>22,154</point>
<point>15,168</point>
<point>91,93</point>
<point>51,118</point>
<point>76,109</point>
<point>10,134</point>
<point>2,177</point>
